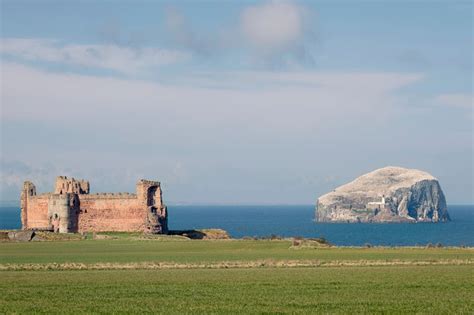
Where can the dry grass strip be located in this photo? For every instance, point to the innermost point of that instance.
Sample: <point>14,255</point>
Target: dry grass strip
<point>232,264</point>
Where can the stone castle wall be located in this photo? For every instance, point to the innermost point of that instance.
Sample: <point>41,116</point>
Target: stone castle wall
<point>71,185</point>
<point>72,209</point>
<point>37,212</point>
<point>111,213</point>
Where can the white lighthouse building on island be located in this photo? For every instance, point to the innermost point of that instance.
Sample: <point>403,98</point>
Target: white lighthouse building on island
<point>376,204</point>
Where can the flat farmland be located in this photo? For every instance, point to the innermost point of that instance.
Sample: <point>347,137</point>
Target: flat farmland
<point>127,275</point>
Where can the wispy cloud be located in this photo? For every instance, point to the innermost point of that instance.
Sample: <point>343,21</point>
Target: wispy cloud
<point>13,173</point>
<point>271,35</point>
<point>278,31</point>
<point>184,36</point>
<point>221,98</point>
<point>112,57</point>
<point>273,25</point>
<point>210,127</point>
<point>274,34</point>
<point>456,100</point>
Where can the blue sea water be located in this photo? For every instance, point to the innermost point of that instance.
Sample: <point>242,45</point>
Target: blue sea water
<point>288,221</point>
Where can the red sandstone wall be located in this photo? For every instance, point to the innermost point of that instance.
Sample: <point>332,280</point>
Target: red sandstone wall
<point>111,213</point>
<point>37,211</point>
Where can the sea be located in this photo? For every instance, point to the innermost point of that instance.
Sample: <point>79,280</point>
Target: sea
<point>298,221</point>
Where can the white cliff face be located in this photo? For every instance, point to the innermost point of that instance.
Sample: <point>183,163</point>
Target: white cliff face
<point>389,194</point>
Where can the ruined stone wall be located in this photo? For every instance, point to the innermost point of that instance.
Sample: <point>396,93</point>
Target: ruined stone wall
<point>71,185</point>
<point>111,212</point>
<point>150,195</point>
<point>37,212</point>
<point>72,209</point>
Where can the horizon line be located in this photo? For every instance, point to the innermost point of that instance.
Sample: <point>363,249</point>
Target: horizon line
<point>16,203</point>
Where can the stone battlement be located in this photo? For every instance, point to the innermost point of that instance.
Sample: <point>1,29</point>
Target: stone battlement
<point>71,185</point>
<point>125,195</point>
<point>71,208</point>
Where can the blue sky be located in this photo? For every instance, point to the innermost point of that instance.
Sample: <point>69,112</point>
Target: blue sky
<point>235,102</point>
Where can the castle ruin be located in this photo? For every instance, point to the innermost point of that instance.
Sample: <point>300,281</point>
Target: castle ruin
<point>71,208</point>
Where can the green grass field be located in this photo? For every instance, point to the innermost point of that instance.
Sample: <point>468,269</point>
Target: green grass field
<point>411,281</point>
<point>183,251</point>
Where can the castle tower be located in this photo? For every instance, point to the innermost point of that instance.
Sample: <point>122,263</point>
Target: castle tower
<point>71,185</point>
<point>28,190</point>
<point>63,210</point>
<point>64,204</point>
<point>150,195</point>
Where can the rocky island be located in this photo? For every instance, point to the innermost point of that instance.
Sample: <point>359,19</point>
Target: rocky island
<point>389,194</point>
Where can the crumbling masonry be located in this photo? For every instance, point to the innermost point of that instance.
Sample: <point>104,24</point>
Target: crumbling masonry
<point>70,208</point>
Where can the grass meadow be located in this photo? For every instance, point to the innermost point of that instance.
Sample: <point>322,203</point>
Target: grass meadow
<point>348,280</point>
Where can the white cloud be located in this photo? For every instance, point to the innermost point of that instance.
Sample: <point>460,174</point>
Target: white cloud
<point>273,25</point>
<point>297,100</point>
<point>14,172</point>
<point>112,57</point>
<point>183,34</point>
<point>205,136</point>
<point>275,34</point>
<point>456,100</point>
